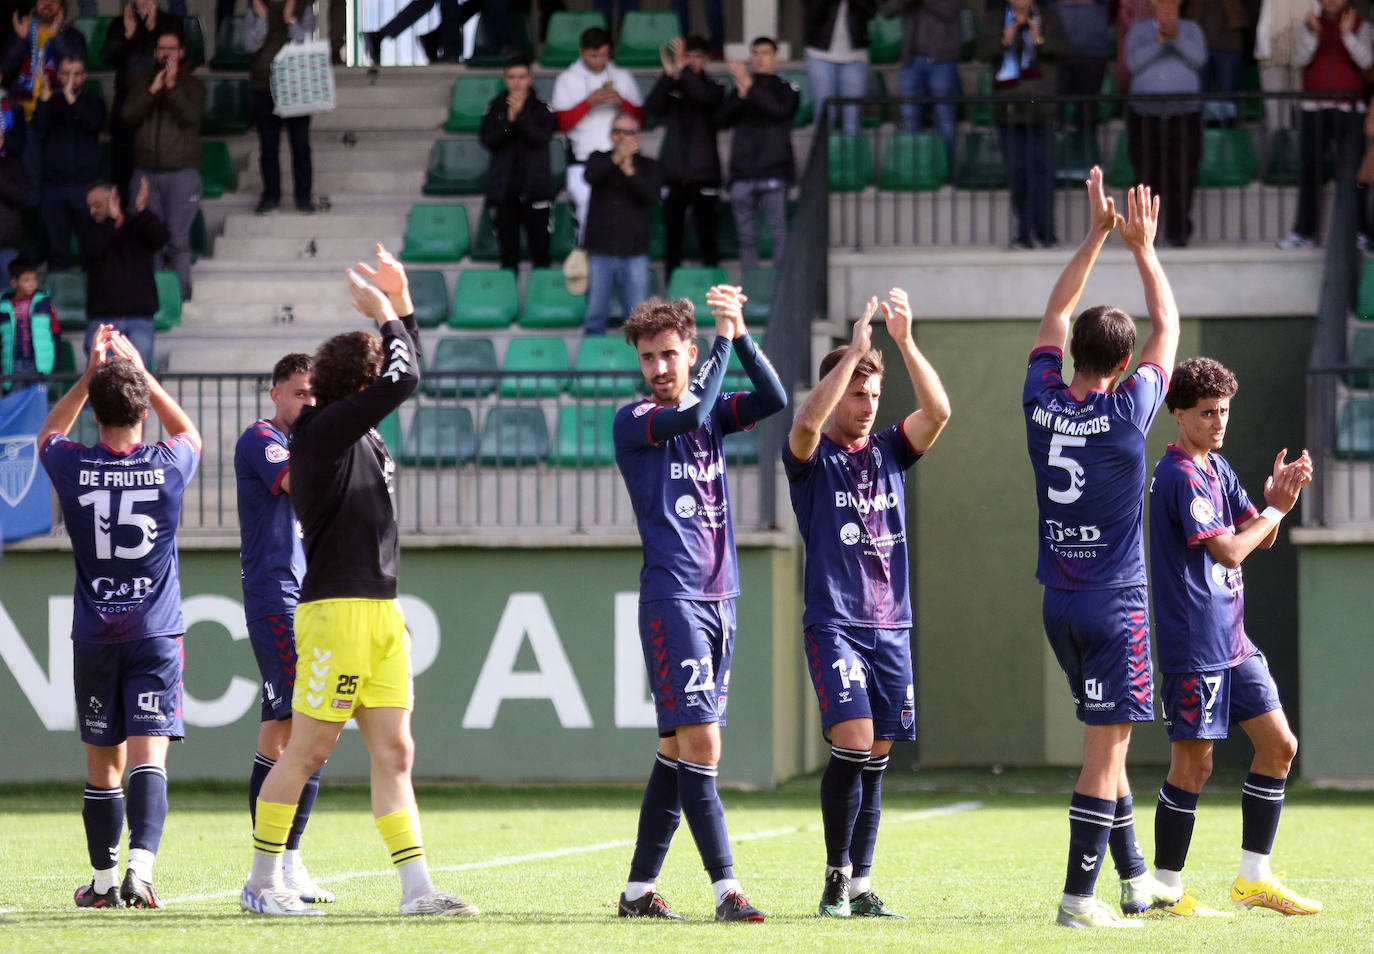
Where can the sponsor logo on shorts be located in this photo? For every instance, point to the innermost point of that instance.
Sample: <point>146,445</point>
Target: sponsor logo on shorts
<point>342,703</point>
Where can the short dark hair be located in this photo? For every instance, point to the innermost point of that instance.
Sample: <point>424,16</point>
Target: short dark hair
<point>593,38</point>
<point>1198,379</point>
<point>344,365</point>
<point>696,43</point>
<point>764,39</point>
<point>870,363</point>
<point>119,393</point>
<point>74,57</point>
<point>1103,337</point>
<point>517,60</point>
<point>170,28</point>
<point>19,266</point>
<point>655,315</point>
<point>293,363</point>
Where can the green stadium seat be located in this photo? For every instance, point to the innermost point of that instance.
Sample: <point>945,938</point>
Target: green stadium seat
<point>429,294</point>
<point>440,435</point>
<point>600,353</point>
<point>487,55</point>
<point>645,83</point>
<point>547,302</point>
<point>468,103</point>
<point>94,30</point>
<point>1355,430</point>
<point>543,87</point>
<point>484,298</point>
<point>1251,110</point>
<point>642,33</point>
<point>560,41</point>
<point>564,232</point>
<point>1364,307</point>
<point>1076,152</point>
<point>168,314</point>
<point>456,167</point>
<point>742,447</point>
<point>558,163</point>
<point>691,282</point>
<point>93,87</point>
<point>513,434</point>
<point>68,292</point>
<point>390,432</point>
<point>435,232</point>
<point>1121,173</point>
<point>1281,158</point>
<point>1228,158</point>
<point>200,237</point>
<point>217,172</point>
<point>465,366</point>
<point>806,106</point>
<point>757,283</point>
<point>884,40</point>
<point>981,166</point>
<point>871,117</point>
<point>913,162</point>
<point>1108,109</point>
<point>980,114</point>
<point>851,162</point>
<point>584,435</point>
<point>228,106</point>
<point>1361,352</point>
<point>230,53</point>
<point>529,361</point>
<point>484,245</point>
<point>193,30</point>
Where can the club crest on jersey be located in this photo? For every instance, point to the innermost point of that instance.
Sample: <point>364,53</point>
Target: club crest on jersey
<point>643,409</point>
<point>1202,510</point>
<point>275,453</point>
<point>18,464</point>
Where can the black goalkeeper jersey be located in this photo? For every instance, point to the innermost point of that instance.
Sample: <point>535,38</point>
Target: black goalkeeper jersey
<point>343,480</point>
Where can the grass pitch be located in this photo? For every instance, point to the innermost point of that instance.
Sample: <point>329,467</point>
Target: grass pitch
<point>975,860</point>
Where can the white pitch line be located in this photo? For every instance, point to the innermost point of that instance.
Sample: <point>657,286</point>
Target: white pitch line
<point>503,861</point>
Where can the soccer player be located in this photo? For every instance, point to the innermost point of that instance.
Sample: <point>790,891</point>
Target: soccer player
<point>273,564</point>
<point>1087,447</point>
<point>121,501</point>
<point>349,627</point>
<point>668,447</point>
<point>1202,525</point>
<point>848,489</point>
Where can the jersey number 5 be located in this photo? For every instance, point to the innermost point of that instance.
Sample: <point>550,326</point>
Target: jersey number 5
<point>1075,470</point>
<point>99,500</point>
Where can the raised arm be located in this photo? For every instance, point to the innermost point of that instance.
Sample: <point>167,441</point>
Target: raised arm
<point>175,421</point>
<point>1281,491</point>
<point>805,435</point>
<point>769,396</point>
<point>1054,327</point>
<point>62,418</point>
<point>1139,233</point>
<point>923,425</point>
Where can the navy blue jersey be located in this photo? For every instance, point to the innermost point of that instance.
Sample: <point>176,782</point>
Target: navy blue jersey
<point>1089,463</point>
<point>122,512</point>
<point>1199,604</point>
<point>851,510</point>
<point>270,539</point>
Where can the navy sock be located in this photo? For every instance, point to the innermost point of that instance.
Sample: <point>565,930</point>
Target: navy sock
<point>1174,817</point>
<point>870,810</point>
<point>102,811</point>
<point>1125,849</point>
<point>307,802</point>
<point>1090,825</point>
<point>841,792</point>
<point>1261,800</point>
<point>147,806</point>
<point>261,766</point>
<point>696,785</point>
<point>659,815</point>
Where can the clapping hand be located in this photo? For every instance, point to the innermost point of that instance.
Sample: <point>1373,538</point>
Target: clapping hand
<point>1101,207</point>
<point>862,339</point>
<point>369,300</point>
<point>1143,218</point>
<point>389,275</point>
<point>727,307</point>
<point>1349,20</point>
<point>1281,488</point>
<point>21,24</point>
<point>898,314</point>
<point>121,347</point>
<point>141,198</point>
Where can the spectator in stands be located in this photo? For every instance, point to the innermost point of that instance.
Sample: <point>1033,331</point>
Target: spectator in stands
<point>1127,13</point>
<point>29,60</point>
<point>688,101</point>
<point>836,53</point>
<point>1165,54</point>
<point>761,108</point>
<point>130,49</point>
<point>69,119</point>
<point>1276,48</point>
<point>1082,70</point>
<point>715,24</point>
<point>118,253</point>
<point>1023,41</point>
<point>587,98</point>
<point>517,128</point>
<point>625,186</point>
<point>29,331</point>
<point>14,188</point>
<point>1334,51</point>
<point>444,44</point>
<point>166,111</point>
<point>614,11</point>
<point>269,25</point>
<point>1224,26</point>
<point>932,38</point>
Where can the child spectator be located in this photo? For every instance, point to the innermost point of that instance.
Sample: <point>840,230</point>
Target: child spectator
<point>29,331</point>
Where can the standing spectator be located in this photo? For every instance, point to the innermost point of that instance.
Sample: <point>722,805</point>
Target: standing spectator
<point>29,64</point>
<point>1276,48</point>
<point>761,108</point>
<point>688,101</point>
<point>1127,13</point>
<point>118,253</point>
<point>715,24</point>
<point>625,185</point>
<point>14,187</point>
<point>1333,50</point>
<point>614,11</point>
<point>587,98</point>
<point>29,331</point>
<point>1224,26</point>
<point>516,129</point>
<point>69,120</point>
<point>1081,71</point>
<point>932,35</point>
<point>836,53</point>
<point>1165,55</point>
<point>1024,41</point>
<point>130,49</point>
<point>266,29</point>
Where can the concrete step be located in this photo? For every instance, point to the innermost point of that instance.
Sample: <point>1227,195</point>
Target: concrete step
<point>396,118</point>
<point>326,245</point>
<point>413,155</point>
<point>289,225</point>
<point>434,94</point>
<point>331,182</point>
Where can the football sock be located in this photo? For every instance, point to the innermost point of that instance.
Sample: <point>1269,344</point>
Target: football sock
<point>861,884</point>
<point>723,887</point>
<point>147,806</point>
<point>696,785</point>
<point>401,832</point>
<point>1261,800</point>
<point>102,812</point>
<point>659,815</point>
<point>1254,866</point>
<point>1174,817</point>
<point>269,841</point>
<point>635,890</point>
<point>1090,825</point>
<point>261,766</point>
<point>1130,863</point>
<point>841,792</point>
<point>141,863</point>
<point>865,835</point>
<point>303,806</point>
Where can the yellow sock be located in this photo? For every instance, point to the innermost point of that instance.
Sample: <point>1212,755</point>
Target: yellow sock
<point>401,832</point>
<point>273,826</point>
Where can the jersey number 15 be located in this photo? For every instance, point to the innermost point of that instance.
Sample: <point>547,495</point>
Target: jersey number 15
<point>99,500</point>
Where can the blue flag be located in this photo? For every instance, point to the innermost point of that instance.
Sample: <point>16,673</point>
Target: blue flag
<point>25,502</point>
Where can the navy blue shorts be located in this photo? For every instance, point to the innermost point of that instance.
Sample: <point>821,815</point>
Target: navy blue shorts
<point>274,645</point>
<point>128,689</point>
<point>687,649</point>
<point>862,673</point>
<point>1202,705</point>
<point>1102,641</point>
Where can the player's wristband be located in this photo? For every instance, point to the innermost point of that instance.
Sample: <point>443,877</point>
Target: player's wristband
<point>1273,514</point>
